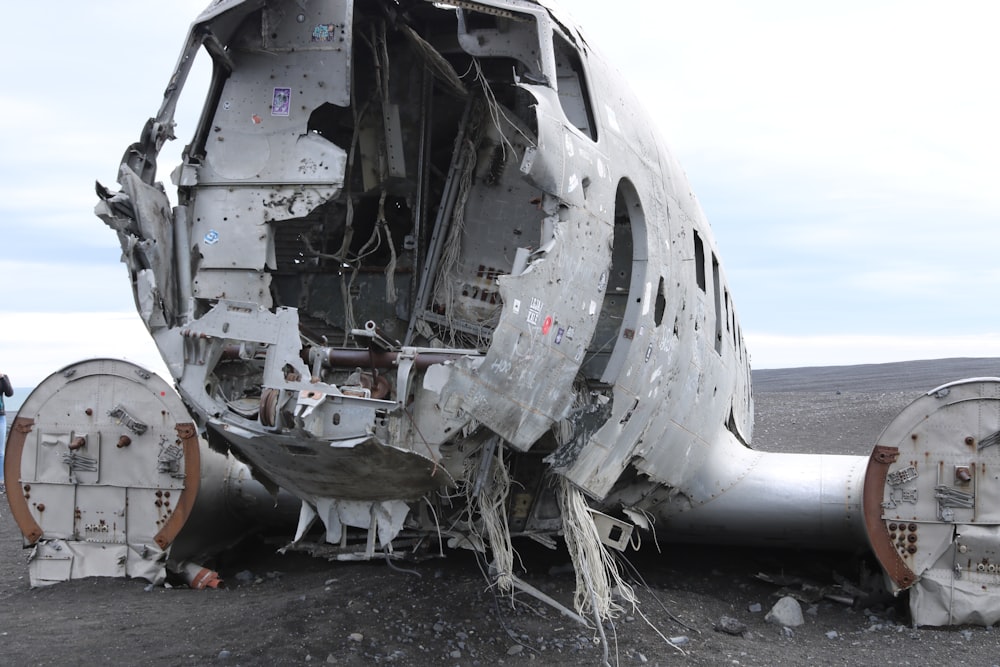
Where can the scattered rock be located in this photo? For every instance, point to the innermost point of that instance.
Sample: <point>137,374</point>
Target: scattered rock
<point>731,626</point>
<point>331,659</point>
<point>224,654</point>
<point>786,612</point>
<point>356,637</point>
<point>755,608</point>
<point>832,634</point>
<point>680,640</point>
<point>455,654</point>
<point>516,649</point>
<point>245,577</point>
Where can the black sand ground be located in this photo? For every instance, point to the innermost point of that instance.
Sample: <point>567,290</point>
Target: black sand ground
<point>295,609</point>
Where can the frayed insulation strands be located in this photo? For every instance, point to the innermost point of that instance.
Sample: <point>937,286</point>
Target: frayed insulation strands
<point>487,497</point>
<point>598,580</point>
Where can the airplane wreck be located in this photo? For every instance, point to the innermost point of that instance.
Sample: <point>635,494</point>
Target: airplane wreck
<point>430,277</point>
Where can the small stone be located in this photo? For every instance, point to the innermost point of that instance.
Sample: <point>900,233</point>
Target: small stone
<point>438,627</point>
<point>224,654</point>
<point>754,608</point>
<point>642,658</point>
<point>731,626</point>
<point>244,577</point>
<point>148,588</point>
<point>832,634</point>
<point>967,634</point>
<point>455,654</point>
<point>356,637</point>
<point>680,640</point>
<point>329,581</point>
<point>516,649</point>
<point>786,612</point>
<point>331,659</point>
<point>787,631</point>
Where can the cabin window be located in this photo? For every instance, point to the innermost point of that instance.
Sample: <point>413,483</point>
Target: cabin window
<point>699,261</point>
<point>717,289</point>
<point>661,303</point>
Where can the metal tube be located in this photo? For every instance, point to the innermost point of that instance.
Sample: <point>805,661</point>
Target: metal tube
<point>341,358</point>
<point>772,499</point>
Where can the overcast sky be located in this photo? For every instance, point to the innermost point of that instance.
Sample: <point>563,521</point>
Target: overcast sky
<point>844,152</point>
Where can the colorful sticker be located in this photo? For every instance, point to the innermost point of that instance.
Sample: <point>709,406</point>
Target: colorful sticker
<point>212,237</point>
<point>559,335</point>
<point>281,104</point>
<point>516,306</point>
<point>547,324</point>
<point>324,32</point>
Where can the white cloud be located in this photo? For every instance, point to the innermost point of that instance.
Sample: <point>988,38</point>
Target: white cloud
<point>35,345</point>
<point>38,285</point>
<point>779,351</point>
<point>845,153</point>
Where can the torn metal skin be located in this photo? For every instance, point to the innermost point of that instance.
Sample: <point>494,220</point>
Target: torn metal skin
<point>422,251</point>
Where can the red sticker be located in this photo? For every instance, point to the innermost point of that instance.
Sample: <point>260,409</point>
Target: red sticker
<point>547,324</point>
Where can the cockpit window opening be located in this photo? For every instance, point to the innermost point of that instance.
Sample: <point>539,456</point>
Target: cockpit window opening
<point>572,86</point>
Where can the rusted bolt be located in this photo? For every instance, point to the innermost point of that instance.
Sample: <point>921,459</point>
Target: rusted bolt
<point>41,507</point>
<point>124,441</point>
<point>892,526</point>
<point>27,487</point>
<point>166,494</point>
<point>79,442</point>
<point>911,549</point>
<point>962,474</point>
<point>969,440</point>
<point>913,527</point>
<point>911,537</point>
<point>892,536</point>
<point>159,494</point>
<point>89,412</point>
<point>158,503</point>
<point>913,436</point>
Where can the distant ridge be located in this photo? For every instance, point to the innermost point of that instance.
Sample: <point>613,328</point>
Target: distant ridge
<point>896,376</point>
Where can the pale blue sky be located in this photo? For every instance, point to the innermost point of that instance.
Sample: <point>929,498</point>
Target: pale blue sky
<point>845,154</point>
